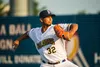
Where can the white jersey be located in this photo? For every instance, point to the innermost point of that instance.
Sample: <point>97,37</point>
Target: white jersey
<point>50,47</point>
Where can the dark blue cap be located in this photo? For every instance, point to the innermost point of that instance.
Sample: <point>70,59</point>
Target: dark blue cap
<point>45,13</point>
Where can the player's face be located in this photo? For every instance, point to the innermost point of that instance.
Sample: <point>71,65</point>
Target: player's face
<point>47,20</point>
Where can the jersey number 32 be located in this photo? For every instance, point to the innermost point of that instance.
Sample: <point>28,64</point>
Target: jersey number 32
<point>51,50</point>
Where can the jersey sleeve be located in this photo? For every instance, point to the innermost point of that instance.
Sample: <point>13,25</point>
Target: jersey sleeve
<point>66,27</point>
<point>30,33</point>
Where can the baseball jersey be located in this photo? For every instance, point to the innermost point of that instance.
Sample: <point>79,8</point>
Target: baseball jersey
<point>50,47</point>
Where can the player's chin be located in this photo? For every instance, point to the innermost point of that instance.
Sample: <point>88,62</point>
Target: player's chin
<point>48,24</point>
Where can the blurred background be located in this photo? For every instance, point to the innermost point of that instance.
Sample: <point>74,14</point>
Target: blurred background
<point>61,7</point>
<point>19,16</point>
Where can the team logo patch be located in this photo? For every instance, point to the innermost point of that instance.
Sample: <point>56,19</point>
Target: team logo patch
<point>45,42</point>
<point>48,11</point>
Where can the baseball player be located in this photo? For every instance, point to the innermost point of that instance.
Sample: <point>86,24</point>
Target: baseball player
<point>50,40</point>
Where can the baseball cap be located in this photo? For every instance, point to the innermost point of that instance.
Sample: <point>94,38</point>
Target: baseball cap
<point>45,13</point>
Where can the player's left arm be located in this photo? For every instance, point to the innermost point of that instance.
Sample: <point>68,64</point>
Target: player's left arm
<point>71,29</point>
<point>19,39</point>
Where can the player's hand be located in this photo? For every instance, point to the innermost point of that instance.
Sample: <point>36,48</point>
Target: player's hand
<point>15,44</point>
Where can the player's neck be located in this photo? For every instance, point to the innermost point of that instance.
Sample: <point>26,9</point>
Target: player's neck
<point>44,28</point>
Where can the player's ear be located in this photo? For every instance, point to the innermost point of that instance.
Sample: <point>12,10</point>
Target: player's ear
<point>41,20</point>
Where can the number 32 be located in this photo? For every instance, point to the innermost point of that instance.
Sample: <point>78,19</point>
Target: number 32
<point>51,50</point>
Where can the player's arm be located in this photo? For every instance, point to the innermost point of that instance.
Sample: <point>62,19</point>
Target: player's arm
<point>67,35</point>
<point>18,40</point>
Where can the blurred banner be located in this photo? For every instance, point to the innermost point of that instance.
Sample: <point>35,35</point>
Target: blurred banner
<point>83,49</point>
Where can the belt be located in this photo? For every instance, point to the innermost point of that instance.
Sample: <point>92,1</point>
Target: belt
<point>55,62</point>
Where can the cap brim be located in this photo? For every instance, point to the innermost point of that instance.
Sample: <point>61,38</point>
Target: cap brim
<point>52,15</point>
<point>49,15</point>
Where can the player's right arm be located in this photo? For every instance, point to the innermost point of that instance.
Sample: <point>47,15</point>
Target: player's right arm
<point>18,40</point>
<point>67,35</point>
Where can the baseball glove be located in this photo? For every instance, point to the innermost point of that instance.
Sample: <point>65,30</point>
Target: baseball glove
<point>59,31</point>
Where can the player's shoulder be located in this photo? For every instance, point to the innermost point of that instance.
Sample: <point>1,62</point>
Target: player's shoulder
<point>62,24</point>
<point>35,29</point>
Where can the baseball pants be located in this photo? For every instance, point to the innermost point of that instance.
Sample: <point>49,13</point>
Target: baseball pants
<point>63,64</point>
